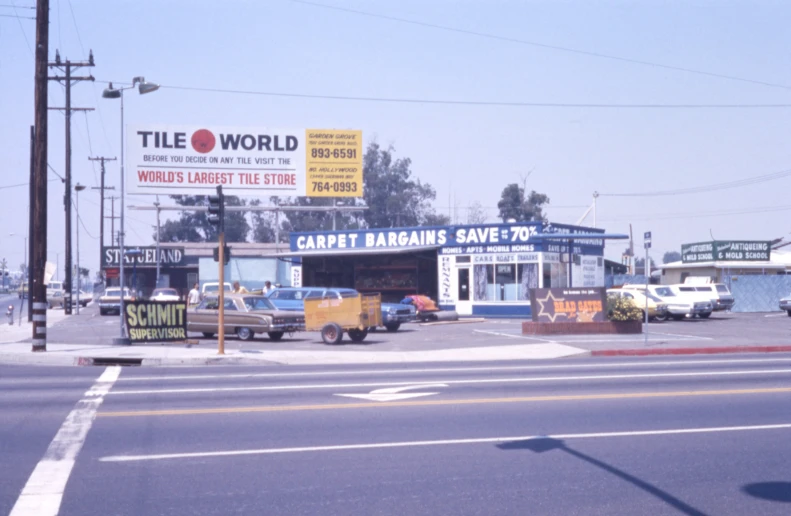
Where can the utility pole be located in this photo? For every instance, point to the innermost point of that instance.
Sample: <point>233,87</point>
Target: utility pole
<point>68,78</point>
<point>101,189</point>
<point>31,210</point>
<point>38,230</point>
<point>112,218</point>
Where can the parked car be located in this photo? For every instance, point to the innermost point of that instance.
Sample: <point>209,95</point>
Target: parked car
<point>785,304</point>
<point>692,293</point>
<point>656,308</point>
<point>85,298</point>
<point>245,315</point>
<point>55,299</point>
<point>165,294</point>
<point>678,307</point>
<point>110,301</point>
<point>293,298</point>
<point>720,295</point>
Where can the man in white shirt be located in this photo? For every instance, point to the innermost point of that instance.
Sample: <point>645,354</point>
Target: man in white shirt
<point>268,287</point>
<point>194,296</point>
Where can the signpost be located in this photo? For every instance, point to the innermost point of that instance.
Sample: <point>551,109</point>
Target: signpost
<point>647,272</point>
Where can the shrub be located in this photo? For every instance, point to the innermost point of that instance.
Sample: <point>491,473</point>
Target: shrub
<point>622,310</point>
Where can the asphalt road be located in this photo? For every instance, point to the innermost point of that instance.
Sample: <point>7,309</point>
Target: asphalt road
<point>682,436</point>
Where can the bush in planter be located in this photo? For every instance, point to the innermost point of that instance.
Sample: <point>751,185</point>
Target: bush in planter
<point>623,310</point>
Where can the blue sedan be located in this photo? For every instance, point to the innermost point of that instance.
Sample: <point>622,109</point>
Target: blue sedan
<point>293,298</point>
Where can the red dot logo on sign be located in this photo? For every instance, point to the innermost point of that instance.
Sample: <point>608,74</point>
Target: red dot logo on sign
<point>203,141</point>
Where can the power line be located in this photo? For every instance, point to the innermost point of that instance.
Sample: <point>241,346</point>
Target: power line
<point>22,28</point>
<point>14,6</point>
<point>18,17</point>
<point>74,19</point>
<point>707,188</point>
<point>84,228</point>
<point>546,46</point>
<point>5,187</point>
<point>664,216</point>
<point>475,102</point>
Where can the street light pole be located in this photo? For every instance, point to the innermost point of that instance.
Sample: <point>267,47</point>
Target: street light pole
<point>113,93</point>
<point>158,258</point>
<point>77,188</point>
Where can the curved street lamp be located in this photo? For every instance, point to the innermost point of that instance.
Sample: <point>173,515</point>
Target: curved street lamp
<point>143,87</point>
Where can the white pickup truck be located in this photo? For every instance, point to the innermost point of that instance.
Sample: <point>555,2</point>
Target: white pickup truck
<point>679,304</point>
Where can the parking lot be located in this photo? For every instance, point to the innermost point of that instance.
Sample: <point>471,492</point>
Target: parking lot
<point>722,329</point>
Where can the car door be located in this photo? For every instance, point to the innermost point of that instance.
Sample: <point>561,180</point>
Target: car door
<point>204,317</point>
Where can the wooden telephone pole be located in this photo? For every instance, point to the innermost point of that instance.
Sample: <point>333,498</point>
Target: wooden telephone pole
<point>38,230</point>
<point>68,79</point>
<point>101,189</point>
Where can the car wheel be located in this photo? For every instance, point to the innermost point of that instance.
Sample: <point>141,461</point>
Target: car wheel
<point>244,333</point>
<point>789,313</point>
<point>275,335</point>
<point>102,311</point>
<point>208,334</point>
<point>331,333</point>
<point>358,335</point>
<point>705,316</point>
<point>392,326</point>
<point>678,317</point>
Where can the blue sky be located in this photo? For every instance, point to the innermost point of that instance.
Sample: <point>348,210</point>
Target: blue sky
<point>468,153</point>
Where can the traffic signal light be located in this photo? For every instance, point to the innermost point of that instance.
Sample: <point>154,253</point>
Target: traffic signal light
<point>226,254</point>
<point>217,210</point>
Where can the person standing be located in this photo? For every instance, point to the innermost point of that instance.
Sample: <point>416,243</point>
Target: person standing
<point>193,298</point>
<point>268,287</point>
<point>238,289</point>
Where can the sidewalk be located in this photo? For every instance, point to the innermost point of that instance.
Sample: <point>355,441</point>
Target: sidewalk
<point>24,331</point>
<point>76,354</point>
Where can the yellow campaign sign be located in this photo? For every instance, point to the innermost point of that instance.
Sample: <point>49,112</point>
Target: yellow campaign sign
<point>334,163</point>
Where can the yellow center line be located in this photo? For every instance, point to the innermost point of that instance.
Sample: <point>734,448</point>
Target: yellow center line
<point>424,403</point>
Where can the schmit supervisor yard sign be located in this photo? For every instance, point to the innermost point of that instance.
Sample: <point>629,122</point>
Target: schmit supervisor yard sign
<point>255,162</point>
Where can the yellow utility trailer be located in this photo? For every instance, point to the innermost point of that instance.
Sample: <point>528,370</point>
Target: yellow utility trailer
<point>352,314</point>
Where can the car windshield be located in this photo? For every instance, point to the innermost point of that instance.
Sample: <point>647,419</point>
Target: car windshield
<point>287,295</point>
<point>258,303</point>
<point>165,292</point>
<point>664,292</point>
<point>115,292</point>
<point>654,298</point>
<point>348,293</point>
<point>703,289</point>
<point>723,289</point>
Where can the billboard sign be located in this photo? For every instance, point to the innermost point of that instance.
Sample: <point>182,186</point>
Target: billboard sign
<point>246,161</point>
<point>726,250</point>
<point>149,321</point>
<point>554,305</point>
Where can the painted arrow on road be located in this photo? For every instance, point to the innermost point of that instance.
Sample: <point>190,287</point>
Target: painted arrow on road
<point>396,393</point>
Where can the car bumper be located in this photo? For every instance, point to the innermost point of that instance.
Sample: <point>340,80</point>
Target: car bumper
<point>727,304</point>
<point>398,318</point>
<point>288,328</point>
<point>785,306</point>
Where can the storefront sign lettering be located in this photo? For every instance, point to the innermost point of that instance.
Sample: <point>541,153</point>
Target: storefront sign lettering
<point>568,304</point>
<point>726,250</point>
<point>145,256</point>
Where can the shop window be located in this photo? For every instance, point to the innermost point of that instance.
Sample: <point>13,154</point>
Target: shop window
<point>527,275</point>
<point>480,278</point>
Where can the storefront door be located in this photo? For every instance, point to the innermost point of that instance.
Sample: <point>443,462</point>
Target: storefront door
<point>464,296</point>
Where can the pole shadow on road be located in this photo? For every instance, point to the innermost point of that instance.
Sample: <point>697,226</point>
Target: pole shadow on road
<point>544,444</point>
<point>772,491</point>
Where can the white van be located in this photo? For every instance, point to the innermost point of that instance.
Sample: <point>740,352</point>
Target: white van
<point>691,292</point>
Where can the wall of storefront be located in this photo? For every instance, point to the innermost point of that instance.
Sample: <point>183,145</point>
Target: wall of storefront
<point>250,272</point>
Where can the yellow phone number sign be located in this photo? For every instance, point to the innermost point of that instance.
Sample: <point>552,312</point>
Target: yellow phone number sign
<point>334,163</point>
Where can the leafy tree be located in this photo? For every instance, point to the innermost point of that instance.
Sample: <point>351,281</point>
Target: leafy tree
<point>193,226</point>
<point>514,205</point>
<point>671,256</point>
<point>394,197</point>
<point>476,214</point>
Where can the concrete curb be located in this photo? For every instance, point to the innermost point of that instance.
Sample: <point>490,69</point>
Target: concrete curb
<point>689,351</point>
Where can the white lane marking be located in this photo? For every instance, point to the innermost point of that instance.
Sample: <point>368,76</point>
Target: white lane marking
<point>410,444</point>
<point>512,335</point>
<point>775,315</point>
<point>43,491</point>
<point>451,382</point>
<point>395,393</point>
<point>607,365</point>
